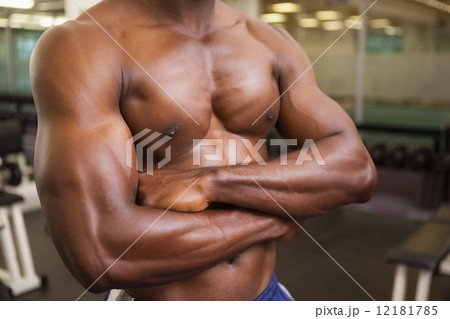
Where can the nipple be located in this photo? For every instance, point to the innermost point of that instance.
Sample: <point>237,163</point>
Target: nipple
<point>172,131</point>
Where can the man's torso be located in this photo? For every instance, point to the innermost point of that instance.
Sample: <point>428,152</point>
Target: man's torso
<point>209,87</point>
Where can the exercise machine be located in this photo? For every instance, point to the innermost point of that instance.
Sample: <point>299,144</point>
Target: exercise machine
<point>19,275</point>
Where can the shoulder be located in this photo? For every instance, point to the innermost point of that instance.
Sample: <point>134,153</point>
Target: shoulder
<point>277,39</point>
<point>90,36</point>
<point>71,54</point>
<point>75,48</point>
<point>289,54</point>
<point>67,42</point>
<point>71,63</point>
<point>271,35</point>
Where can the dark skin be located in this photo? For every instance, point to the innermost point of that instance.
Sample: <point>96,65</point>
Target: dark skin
<point>224,69</point>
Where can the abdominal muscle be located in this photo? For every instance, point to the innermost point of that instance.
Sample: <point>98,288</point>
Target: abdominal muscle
<point>243,277</point>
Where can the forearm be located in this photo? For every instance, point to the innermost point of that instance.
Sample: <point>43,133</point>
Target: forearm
<point>303,190</point>
<point>175,246</point>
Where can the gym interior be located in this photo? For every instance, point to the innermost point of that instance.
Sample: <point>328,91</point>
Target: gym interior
<point>386,62</point>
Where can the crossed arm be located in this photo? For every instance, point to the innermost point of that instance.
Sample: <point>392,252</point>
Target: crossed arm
<point>88,194</point>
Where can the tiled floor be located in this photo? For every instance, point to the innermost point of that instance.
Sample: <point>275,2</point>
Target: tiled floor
<point>357,241</point>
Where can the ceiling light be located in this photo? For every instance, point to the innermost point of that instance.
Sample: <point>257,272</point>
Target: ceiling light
<point>34,21</point>
<point>20,17</point>
<point>46,21</point>
<point>274,17</point>
<point>353,24</point>
<point>19,4</point>
<point>286,7</point>
<point>332,25</point>
<point>20,20</point>
<point>309,23</point>
<point>328,15</point>
<point>379,23</point>
<point>60,20</point>
<point>393,31</point>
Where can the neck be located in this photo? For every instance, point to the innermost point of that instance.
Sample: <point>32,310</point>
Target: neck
<point>193,14</point>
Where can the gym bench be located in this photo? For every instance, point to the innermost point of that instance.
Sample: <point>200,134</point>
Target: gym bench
<point>19,275</point>
<point>428,249</point>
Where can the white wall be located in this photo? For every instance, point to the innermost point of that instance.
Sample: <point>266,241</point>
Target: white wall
<point>418,73</point>
<point>420,77</point>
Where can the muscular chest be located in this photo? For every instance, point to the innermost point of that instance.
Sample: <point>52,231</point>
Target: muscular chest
<point>194,89</point>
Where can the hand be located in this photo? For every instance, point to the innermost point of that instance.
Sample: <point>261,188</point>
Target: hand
<point>164,190</point>
<point>292,229</point>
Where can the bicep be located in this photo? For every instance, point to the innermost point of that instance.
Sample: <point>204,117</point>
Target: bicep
<point>83,183</point>
<point>84,165</point>
<point>80,162</point>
